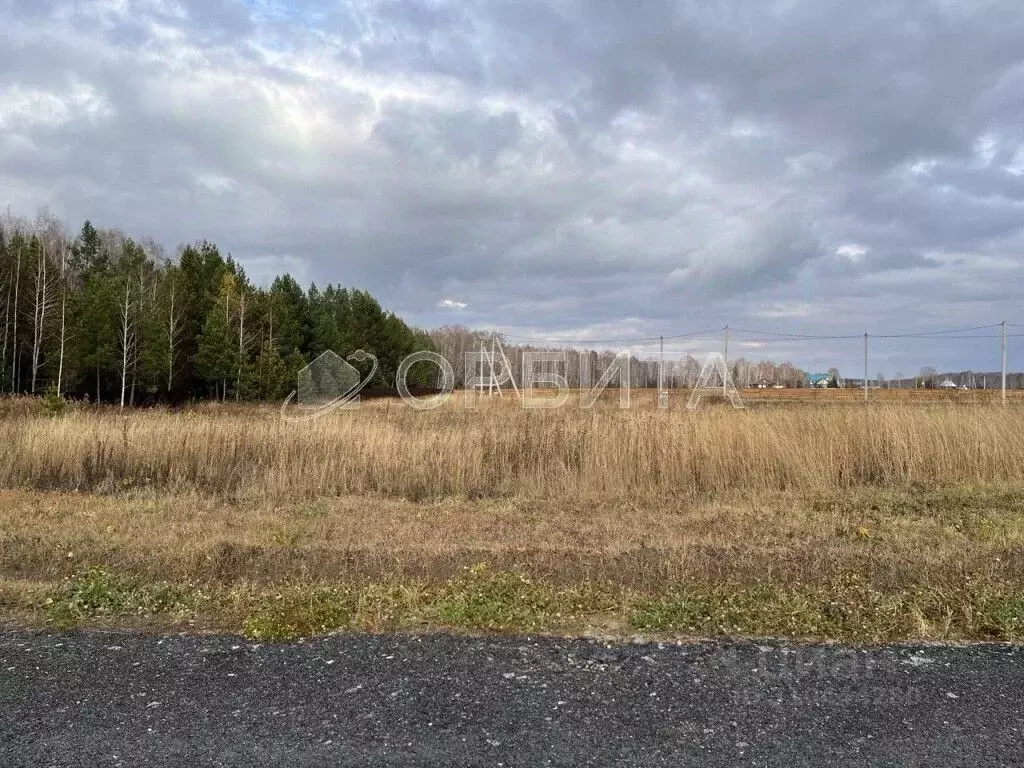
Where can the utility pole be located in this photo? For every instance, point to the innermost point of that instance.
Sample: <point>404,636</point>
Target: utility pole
<point>725,357</point>
<point>661,365</point>
<point>662,395</point>
<point>1002,336</point>
<point>865,368</point>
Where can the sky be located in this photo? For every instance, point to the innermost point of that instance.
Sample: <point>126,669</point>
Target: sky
<point>559,170</point>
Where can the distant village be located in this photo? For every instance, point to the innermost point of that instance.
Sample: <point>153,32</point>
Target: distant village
<point>928,379</point>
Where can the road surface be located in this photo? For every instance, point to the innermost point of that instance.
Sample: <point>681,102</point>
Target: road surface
<point>104,699</point>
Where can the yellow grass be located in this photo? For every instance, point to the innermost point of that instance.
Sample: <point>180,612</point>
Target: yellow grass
<point>892,538</point>
<point>501,450</point>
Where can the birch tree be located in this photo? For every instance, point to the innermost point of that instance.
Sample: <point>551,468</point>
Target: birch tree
<point>243,338</point>
<point>126,309</point>
<point>63,313</point>
<point>8,286</point>
<point>43,301</point>
<point>14,312</point>
<point>171,321</point>
<point>132,271</point>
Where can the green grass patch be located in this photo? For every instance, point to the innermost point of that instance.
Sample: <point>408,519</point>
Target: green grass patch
<point>301,612</point>
<point>495,600</point>
<point>762,610</point>
<point>483,599</point>
<point>1004,617</point>
<point>850,612</point>
<point>97,592</point>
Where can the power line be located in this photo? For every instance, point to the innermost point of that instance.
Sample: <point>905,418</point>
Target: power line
<point>636,340</point>
<point>796,335</point>
<point>765,336</point>
<point>581,341</point>
<point>911,334</point>
<point>691,336</point>
<point>933,333</point>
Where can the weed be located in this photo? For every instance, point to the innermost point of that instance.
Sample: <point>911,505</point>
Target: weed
<point>1004,616</point>
<point>678,613</point>
<point>298,612</point>
<point>96,592</point>
<point>484,599</point>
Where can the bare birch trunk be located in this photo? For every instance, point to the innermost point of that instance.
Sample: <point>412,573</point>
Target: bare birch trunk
<point>241,341</point>
<point>63,315</point>
<point>42,300</point>
<point>14,366</point>
<point>172,332</point>
<point>125,326</point>
<point>7,325</point>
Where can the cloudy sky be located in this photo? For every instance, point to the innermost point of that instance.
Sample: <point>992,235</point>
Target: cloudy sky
<point>573,169</point>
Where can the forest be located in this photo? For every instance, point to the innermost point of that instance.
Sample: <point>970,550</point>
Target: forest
<point>104,317</point>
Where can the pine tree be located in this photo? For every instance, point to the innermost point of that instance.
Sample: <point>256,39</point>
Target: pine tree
<point>216,355</point>
<point>324,333</point>
<point>201,270</point>
<point>290,310</point>
<point>95,313</point>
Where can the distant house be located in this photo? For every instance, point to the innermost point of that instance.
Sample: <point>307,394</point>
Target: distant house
<point>820,380</point>
<point>764,383</point>
<point>947,384</point>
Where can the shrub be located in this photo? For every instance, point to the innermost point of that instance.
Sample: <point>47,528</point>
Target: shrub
<point>54,403</point>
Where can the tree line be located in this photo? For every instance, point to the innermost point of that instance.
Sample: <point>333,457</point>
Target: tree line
<point>102,316</point>
<point>453,342</point>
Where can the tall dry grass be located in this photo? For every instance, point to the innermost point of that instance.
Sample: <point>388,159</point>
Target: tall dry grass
<point>499,450</point>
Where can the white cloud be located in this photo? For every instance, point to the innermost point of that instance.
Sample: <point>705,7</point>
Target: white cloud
<point>852,252</point>
<point>451,304</point>
<point>26,109</point>
<point>785,309</point>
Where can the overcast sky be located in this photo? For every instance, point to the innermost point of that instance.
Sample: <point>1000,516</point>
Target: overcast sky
<point>593,168</point>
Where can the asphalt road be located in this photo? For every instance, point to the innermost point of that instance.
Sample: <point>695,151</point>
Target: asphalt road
<point>100,699</point>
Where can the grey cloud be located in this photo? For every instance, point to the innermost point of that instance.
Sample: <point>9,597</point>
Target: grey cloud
<point>444,136</point>
<point>771,250</point>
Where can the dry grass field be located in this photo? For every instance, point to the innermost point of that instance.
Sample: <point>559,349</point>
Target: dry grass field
<point>500,450</point>
<point>902,519</point>
<point>825,397</point>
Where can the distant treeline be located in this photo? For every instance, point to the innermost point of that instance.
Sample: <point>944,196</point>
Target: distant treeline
<point>103,316</point>
<point>454,341</point>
